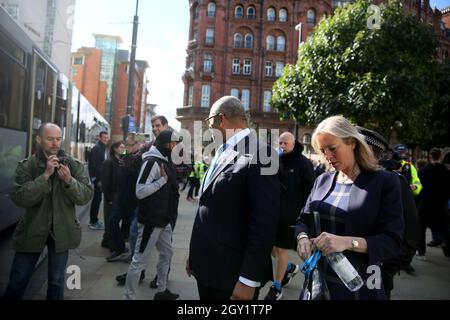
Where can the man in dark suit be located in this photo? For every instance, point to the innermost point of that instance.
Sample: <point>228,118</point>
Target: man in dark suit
<point>236,222</point>
<point>97,156</point>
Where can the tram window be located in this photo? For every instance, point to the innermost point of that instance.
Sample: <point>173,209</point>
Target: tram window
<point>12,94</point>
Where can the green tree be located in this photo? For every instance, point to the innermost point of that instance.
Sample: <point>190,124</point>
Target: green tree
<point>438,122</point>
<point>373,76</point>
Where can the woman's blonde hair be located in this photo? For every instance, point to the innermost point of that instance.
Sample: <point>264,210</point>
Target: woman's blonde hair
<point>340,127</point>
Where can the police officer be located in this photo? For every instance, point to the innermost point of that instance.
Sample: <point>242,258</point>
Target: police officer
<point>408,170</point>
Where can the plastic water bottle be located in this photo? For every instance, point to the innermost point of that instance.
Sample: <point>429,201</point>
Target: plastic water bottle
<point>345,271</point>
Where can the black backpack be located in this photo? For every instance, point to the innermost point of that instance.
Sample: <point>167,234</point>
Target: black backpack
<point>154,210</point>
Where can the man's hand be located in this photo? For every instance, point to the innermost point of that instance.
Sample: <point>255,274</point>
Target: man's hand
<point>242,292</point>
<point>64,174</point>
<point>413,187</point>
<point>52,164</point>
<point>188,268</point>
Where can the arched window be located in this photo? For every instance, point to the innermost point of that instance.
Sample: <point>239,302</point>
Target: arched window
<point>211,9</point>
<point>237,40</point>
<point>238,12</point>
<point>251,13</point>
<point>270,43</point>
<point>271,14</point>
<point>196,12</point>
<point>281,43</point>
<point>248,41</point>
<point>311,16</point>
<point>283,15</point>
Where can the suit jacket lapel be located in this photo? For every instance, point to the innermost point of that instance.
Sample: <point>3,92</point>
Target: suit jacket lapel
<point>228,156</point>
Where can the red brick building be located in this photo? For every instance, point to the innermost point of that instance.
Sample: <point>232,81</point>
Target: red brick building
<point>121,92</point>
<point>240,48</point>
<point>86,64</point>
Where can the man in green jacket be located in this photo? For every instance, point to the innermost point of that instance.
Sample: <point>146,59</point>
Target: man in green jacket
<point>48,185</point>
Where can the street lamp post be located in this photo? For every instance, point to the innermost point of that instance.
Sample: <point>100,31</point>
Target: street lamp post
<point>132,63</point>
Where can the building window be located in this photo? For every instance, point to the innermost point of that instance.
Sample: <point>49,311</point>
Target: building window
<point>190,95</point>
<point>248,41</point>
<point>271,14</point>
<point>281,43</point>
<point>196,12</point>
<point>267,97</point>
<point>195,35</point>
<point>239,12</point>
<point>235,92</point>
<point>236,66</point>
<point>78,60</point>
<point>279,69</point>
<point>245,99</point>
<point>269,68</point>
<point>283,15</point>
<point>211,9</point>
<point>311,16</point>
<point>207,63</point>
<point>209,36</point>
<point>270,43</point>
<point>206,93</point>
<point>237,40</point>
<point>247,67</point>
<point>307,139</point>
<point>251,13</point>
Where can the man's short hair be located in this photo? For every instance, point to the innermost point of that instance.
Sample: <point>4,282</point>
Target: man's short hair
<point>102,133</point>
<point>161,118</point>
<point>41,129</point>
<point>436,154</point>
<point>229,106</point>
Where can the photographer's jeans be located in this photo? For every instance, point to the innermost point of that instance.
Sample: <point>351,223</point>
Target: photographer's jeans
<point>23,267</point>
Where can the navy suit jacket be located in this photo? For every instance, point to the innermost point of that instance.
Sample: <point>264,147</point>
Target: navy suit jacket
<point>374,213</point>
<point>236,222</point>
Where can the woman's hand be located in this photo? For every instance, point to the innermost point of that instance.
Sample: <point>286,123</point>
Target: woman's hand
<point>330,243</point>
<point>304,248</point>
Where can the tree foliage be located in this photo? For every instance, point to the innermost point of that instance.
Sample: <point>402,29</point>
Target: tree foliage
<point>374,77</point>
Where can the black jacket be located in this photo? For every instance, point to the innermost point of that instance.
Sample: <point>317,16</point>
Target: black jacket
<point>435,179</point>
<point>112,177</point>
<point>96,158</point>
<point>237,218</point>
<point>297,178</point>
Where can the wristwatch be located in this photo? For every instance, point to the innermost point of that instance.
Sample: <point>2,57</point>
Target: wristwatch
<point>355,244</point>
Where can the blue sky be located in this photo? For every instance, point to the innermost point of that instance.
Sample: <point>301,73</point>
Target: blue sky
<point>162,40</point>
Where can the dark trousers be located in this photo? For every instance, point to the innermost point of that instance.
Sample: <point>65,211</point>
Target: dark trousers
<point>95,204</point>
<point>107,208</point>
<point>23,267</point>
<point>194,187</point>
<point>208,293</point>
<point>118,215</point>
<point>435,218</point>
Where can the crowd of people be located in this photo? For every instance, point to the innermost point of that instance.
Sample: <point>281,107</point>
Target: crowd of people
<point>374,206</point>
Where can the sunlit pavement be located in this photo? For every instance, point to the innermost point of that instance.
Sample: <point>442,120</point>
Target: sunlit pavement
<point>432,279</point>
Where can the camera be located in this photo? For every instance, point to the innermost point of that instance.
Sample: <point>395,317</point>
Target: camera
<point>64,161</point>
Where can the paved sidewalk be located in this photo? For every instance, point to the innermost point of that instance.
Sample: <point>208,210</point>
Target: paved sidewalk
<point>432,279</point>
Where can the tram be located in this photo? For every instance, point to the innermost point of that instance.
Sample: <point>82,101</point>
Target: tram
<point>32,92</point>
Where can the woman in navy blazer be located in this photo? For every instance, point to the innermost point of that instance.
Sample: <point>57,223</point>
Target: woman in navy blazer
<point>360,209</point>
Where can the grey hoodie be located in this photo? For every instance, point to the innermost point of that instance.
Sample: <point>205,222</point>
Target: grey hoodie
<point>154,181</point>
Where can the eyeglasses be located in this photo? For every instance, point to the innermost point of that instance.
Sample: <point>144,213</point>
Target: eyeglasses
<point>213,117</point>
